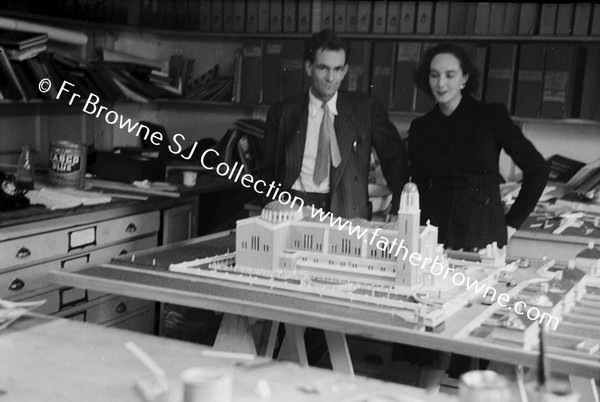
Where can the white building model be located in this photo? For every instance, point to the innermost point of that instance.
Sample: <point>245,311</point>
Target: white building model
<point>283,238</point>
<point>361,262</point>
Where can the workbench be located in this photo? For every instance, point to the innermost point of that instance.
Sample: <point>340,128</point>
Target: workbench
<point>49,359</point>
<point>146,275</point>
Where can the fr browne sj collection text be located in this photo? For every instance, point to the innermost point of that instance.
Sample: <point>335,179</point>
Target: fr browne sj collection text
<point>92,107</point>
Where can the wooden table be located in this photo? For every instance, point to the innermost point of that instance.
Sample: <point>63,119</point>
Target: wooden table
<point>147,278</point>
<point>48,359</point>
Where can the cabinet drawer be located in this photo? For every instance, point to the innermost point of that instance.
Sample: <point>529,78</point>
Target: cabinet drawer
<point>128,227</point>
<point>142,322</point>
<point>34,279</point>
<point>112,309</point>
<point>60,300</point>
<point>31,249</point>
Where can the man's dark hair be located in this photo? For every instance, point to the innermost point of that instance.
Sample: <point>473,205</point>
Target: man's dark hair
<point>466,65</point>
<point>325,40</point>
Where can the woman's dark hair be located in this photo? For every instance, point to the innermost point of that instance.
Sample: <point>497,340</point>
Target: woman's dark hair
<point>466,65</point>
<point>325,40</point>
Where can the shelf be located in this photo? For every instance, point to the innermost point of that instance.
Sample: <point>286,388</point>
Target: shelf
<point>232,105</point>
<point>83,25</point>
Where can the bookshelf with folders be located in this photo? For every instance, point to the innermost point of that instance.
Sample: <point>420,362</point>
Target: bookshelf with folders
<point>551,52</point>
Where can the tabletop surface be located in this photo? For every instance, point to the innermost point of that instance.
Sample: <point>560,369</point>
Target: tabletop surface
<point>48,359</point>
<point>147,276</point>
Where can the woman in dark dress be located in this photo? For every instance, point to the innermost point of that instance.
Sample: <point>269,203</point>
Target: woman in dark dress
<point>454,155</point>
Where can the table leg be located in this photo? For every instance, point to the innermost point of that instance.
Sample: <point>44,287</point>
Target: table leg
<point>235,335</point>
<point>586,387</point>
<point>293,347</point>
<point>268,340</point>
<point>339,352</point>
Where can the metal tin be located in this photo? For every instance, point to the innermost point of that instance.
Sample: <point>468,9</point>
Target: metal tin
<point>67,164</point>
<point>488,386</point>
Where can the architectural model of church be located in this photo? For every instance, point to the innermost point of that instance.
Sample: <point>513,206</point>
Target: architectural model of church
<point>283,238</point>
<point>366,263</point>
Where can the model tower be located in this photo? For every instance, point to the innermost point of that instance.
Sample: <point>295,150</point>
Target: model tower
<point>408,277</point>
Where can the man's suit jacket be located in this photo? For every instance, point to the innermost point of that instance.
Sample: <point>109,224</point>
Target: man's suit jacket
<point>361,122</point>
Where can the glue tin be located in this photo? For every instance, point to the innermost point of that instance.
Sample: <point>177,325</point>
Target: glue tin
<point>67,164</point>
<point>488,386</point>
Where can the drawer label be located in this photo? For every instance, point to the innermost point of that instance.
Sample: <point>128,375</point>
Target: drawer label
<point>82,238</point>
<point>71,296</point>
<point>75,262</point>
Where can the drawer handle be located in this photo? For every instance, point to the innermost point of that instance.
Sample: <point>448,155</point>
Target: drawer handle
<point>23,252</point>
<point>131,228</point>
<point>123,252</point>
<point>121,308</point>
<point>17,284</point>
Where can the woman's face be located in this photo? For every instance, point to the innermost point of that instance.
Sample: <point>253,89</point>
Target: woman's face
<point>446,79</point>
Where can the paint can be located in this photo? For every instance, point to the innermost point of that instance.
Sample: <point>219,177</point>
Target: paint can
<point>477,386</point>
<point>67,164</point>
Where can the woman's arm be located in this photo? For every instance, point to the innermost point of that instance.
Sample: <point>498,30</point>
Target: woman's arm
<point>528,159</point>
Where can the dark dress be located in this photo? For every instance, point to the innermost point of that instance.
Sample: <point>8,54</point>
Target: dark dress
<point>455,164</point>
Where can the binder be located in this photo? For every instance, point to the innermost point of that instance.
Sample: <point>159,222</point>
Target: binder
<point>530,78</point>
<point>501,72</point>
<point>276,24</point>
<point>595,23</point>
<point>352,16</point>
<point>272,71</point>
<point>482,19</point>
<point>289,17</point>
<point>581,19</point>
<point>293,67</point>
<point>327,14</point>
<point>590,97</point>
<point>440,20</point>
<point>471,17</point>
<point>227,15</point>
<point>564,20</point>
<point>423,102</point>
<point>357,77</point>
<point>497,12</point>
<point>216,9</point>
<point>304,16</point>
<point>424,17</point>
<point>559,81</point>
<point>181,20</point>
<point>458,18</point>
<point>339,12</point>
<point>408,14</point>
<point>205,16</point>
<point>511,19</point>
<point>379,16</point>
<point>480,62</point>
<point>263,16</point>
<point>548,18</point>
<point>239,17</point>
<point>393,17</point>
<point>528,19</point>
<point>381,77</point>
<point>315,16</point>
<point>407,56</point>
<point>364,16</point>
<point>252,71</point>
<point>251,16</point>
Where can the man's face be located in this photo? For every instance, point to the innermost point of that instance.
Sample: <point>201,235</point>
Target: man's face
<point>326,72</point>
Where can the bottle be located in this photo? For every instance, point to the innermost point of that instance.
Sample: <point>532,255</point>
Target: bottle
<point>25,169</point>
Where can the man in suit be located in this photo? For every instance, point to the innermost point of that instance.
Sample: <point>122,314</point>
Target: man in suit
<point>318,144</point>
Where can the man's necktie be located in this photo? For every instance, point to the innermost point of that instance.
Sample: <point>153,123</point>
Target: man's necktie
<point>328,149</point>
